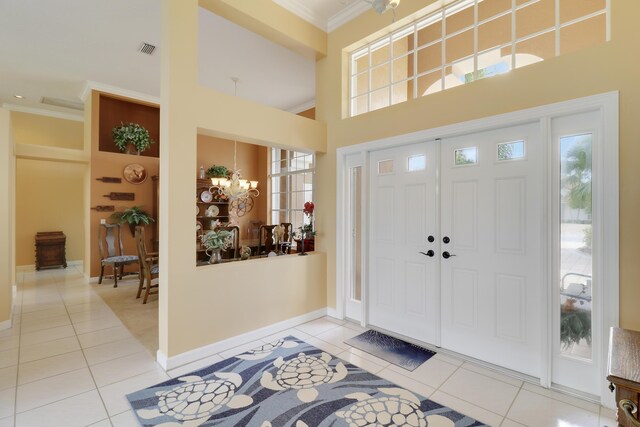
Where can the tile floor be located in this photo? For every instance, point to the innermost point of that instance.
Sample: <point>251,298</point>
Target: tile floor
<point>69,362</point>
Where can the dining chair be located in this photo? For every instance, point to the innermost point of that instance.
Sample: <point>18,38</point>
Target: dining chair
<point>148,266</point>
<point>111,251</point>
<point>253,229</point>
<point>288,236</point>
<point>265,238</point>
<point>234,251</point>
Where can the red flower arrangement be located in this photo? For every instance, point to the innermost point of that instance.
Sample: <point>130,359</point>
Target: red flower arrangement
<point>308,208</point>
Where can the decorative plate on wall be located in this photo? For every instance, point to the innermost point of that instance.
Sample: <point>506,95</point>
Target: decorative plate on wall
<point>135,173</point>
<point>206,196</point>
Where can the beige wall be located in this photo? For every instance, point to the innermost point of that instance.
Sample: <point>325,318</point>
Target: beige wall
<point>54,186</point>
<point>197,303</point>
<point>251,161</point>
<point>599,69</point>
<point>49,197</point>
<point>49,131</point>
<point>7,248</point>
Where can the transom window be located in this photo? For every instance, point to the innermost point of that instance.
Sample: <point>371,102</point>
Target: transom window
<point>292,175</point>
<point>469,40</point>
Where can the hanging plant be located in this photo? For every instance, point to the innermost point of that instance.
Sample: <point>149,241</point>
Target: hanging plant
<point>131,135</point>
<point>575,326</point>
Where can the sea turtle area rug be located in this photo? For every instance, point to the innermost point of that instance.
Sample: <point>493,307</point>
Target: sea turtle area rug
<point>287,383</point>
<point>393,350</point>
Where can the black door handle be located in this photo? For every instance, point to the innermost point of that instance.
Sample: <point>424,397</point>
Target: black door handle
<point>446,239</point>
<point>429,253</point>
<point>431,239</point>
<point>446,255</point>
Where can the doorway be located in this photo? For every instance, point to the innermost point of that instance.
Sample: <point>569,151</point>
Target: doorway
<point>462,239</point>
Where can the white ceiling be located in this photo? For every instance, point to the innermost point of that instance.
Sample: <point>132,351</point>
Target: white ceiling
<point>326,14</point>
<point>53,48</point>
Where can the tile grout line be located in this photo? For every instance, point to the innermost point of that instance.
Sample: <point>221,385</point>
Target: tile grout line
<point>512,403</point>
<point>15,398</point>
<point>84,355</point>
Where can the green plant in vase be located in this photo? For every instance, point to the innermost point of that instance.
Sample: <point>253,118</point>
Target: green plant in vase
<point>131,138</point>
<point>216,241</point>
<point>132,216</point>
<point>217,171</point>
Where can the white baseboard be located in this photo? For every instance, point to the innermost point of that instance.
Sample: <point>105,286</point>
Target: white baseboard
<point>210,349</point>
<point>32,267</point>
<point>332,312</point>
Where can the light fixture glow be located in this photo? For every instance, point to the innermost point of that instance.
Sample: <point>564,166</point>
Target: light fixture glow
<point>18,96</point>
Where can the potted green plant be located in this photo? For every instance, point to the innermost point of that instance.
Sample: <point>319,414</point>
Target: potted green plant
<point>217,171</point>
<point>132,216</point>
<point>131,138</point>
<point>216,241</point>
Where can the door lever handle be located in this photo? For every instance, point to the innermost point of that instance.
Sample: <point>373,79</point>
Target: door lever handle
<point>429,253</point>
<point>446,255</point>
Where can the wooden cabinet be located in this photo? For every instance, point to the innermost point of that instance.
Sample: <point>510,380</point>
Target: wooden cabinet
<point>624,372</point>
<point>205,210</point>
<point>50,250</point>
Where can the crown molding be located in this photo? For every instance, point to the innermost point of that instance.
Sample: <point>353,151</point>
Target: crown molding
<point>302,107</point>
<point>350,12</point>
<point>44,112</point>
<point>114,90</point>
<point>299,8</point>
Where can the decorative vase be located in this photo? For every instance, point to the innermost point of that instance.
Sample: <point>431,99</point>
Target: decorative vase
<point>131,149</point>
<point>214,257</point>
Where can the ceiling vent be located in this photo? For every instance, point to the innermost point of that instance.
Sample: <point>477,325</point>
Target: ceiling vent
<point>74,105</point>
<point>147,48</point>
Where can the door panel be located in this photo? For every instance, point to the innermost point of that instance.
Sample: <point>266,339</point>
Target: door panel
<point>403,282</point>
<point>492,212</point>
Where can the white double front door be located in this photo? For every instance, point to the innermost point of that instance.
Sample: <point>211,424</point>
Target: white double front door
<point>455,249</point>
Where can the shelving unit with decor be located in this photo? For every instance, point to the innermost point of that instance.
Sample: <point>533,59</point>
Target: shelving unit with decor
<point>206,222</point>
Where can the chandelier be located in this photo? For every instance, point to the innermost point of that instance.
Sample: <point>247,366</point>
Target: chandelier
<point>239,192</point>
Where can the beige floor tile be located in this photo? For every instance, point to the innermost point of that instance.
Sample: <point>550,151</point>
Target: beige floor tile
<point>7,422</point>
<point>449,359</point>
<point>433,372</point>
<point>361,362</point>
<point>114,395</point>
<point>28,307</point>
<point>126,419</point>
<point>510,423</point>
<point>43,350</point>
<point>47,335</point>
<point>85,306</point>
<point>493,374</point>
<point>355,326</point>
<point>8,377</point>
<point>287,332</point>
<point>194,366</point>
<point>51,366</point>
<point>96,325</point>
<point>8,358</point>
<point>113,350</point>
<point>535,410</point>
<point>467,408</point>
<point>41,324</point>
<point>9,342</point>
<point>103,336</point>
<point>575,401</point>
<point>77,411</point>
<point>406,382</point>
<point>7,402</point>
<point>103,423</point>
<point>13,331</point>
<point>317,326</point>
<point>117,370</point>
<point>338,336</point>
<point>93,314</point>
<point>48,390</point>
<point>49,313</point>
<point>325,346</point>
<point>483,391</point>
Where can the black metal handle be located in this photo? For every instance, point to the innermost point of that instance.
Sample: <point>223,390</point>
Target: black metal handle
<point>429,253</point>
<point>431,239</point>
<point>446,239</point>
<point>446,255</point>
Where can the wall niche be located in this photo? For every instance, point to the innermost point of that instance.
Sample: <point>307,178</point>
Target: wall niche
<point>114,111</point>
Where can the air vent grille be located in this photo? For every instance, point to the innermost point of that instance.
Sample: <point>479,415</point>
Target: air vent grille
<point>147,48</point>
<point>74,105</point>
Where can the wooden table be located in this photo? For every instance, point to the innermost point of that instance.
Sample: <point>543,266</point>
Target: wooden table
<point>624,374</point>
